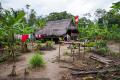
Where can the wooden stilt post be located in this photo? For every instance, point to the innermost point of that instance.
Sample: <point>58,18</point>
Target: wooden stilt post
<point>119,49</point>
<point>26,72</point>
<point>79,49</point>
<point>32,46</point>
<point>59,53</point>
<point>73,52</point>
<point>84,50</point>
<point>71,48</point>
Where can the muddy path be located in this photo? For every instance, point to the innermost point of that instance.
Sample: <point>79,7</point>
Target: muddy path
<point>51,70</point>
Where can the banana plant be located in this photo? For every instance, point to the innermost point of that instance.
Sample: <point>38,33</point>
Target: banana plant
<point>9,21</point>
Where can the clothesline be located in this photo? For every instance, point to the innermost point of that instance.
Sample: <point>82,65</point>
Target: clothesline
<point>25,37</point>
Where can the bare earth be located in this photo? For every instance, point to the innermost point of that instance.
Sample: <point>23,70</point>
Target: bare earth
<point>51,70</point>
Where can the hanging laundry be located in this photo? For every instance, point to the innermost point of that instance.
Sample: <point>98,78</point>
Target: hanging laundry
<point>18,36</point>
<point>31,37</point>
<point>24,37</point>
<point>36,36</point>
<point>39,36</point>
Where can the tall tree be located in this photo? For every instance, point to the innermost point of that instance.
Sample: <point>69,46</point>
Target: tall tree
<point>32,18</point>
<point>58,16</point>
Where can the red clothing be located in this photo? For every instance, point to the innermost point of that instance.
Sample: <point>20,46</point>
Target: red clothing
<point>24,37</point>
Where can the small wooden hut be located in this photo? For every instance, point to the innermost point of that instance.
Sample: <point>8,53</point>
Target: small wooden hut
<point>59,28</point>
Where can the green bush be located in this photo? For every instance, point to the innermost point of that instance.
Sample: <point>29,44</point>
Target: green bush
<point>37,60</point>
<point>38,46</point>
<point>3,58</point>
<point>66,53</point>
<point>75,46</point>
<point>103,51</point>
<point>49,44</point>
<point>38,41</point>
<point>90,44</point>
<point>101,43</point>
<point>115,54</point>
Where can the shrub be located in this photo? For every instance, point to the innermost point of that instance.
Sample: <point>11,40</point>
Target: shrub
<point>90,44</point>
<point>3,58</point>
<point>37,60</point>
<point>38,46</point>
<point>38,41</point>
<point>49,44</point>
<point>103,51</point>
<point>101,43</point>
<point>115,54</point>
<point>75,46</point>
<point>65,53</point>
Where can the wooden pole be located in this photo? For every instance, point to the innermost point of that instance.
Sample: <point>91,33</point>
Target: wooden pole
<point>59,53</point>
<point>119,49</point>
<point>73,52</point>
<point>79,49</point>
<point>73,55</point>
<point>32,46</point>
<point>84,50</point>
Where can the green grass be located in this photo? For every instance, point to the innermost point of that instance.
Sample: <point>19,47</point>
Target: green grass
<point>90,44</point>
<point>101,44</point>
<point>66,53</point>
<point>103,51</point>
<point>37,60</point>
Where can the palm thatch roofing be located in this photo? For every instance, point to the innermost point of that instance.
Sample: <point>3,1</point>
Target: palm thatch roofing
<point>56,28</point>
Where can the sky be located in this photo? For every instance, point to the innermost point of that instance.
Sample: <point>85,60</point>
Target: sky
<point>44,7</point>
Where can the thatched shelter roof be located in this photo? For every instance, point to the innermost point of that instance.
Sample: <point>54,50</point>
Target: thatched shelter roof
<point>56,28</point>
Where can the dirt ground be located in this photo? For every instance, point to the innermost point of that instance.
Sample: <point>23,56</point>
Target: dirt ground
<point>53,69</point>
<point>113,46</point>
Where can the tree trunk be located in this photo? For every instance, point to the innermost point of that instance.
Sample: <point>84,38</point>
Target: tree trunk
<point>119,49</point>
<point>24,47</point>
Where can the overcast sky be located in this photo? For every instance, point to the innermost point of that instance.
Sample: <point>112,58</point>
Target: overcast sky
<point>75,7</point>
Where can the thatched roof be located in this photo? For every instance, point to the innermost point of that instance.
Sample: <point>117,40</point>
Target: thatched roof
<point>55,28</point>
